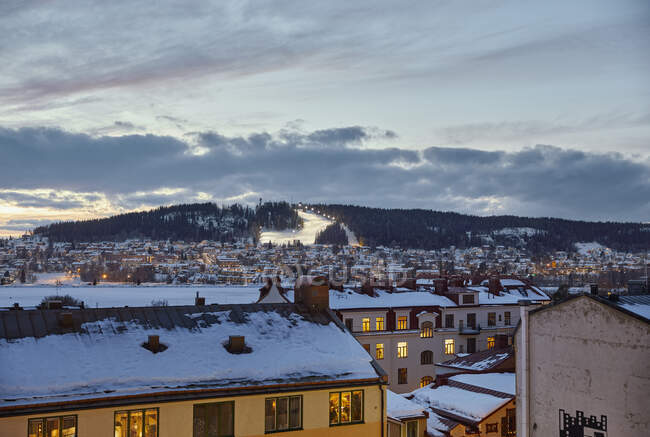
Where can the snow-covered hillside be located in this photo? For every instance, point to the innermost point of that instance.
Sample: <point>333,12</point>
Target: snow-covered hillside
<point>313,223</point>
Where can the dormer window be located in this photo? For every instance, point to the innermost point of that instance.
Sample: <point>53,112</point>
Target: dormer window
<point>468,299</point>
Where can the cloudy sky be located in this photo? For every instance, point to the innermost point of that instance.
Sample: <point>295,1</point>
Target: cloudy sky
<point>485,107</point>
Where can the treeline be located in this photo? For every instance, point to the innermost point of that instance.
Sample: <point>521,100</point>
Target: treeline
<point>418,228</point>
<point>189,222</point>
<point>332,234</point>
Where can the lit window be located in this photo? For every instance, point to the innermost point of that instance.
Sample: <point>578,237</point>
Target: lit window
<point>402,349</point>
<point>365,324</point>
<point>491,427</point>
<point>426,357</point>
<point>402,377</point>
<point>426,380</point>
<point>380,323</point>
<point>426,331</point>
<point>283,413</point>
<point>214,419</point>
<point>379,351</point>
<point>492,319</point>
<point>402,322</point>
<point>65,426</point>
<point>506,318</point>
<point>490,342</point>
<point>346,407</point>
<point>449,346</point>
<point>136,423</point>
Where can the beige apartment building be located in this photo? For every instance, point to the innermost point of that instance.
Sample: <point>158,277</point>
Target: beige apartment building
<point>409,332</point>
<point>583,368</point>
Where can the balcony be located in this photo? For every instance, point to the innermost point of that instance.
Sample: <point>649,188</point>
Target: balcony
<point>468,330</point>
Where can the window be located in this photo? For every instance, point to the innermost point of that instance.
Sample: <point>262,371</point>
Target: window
<point>402,349</point>
<point>471,320</point>
<point>136,423</point>
<point>348,324</point>
<point>402,376</point>
<point>449,321</point>
<point>426,380</point>
<point>426,330</point>
<point>468,299</point>
<point>412,428</point>
<point>449,346</point>
<point>402,322</point>
<point>490,344</point>
<point>346,407</point>
<point>426,357</point>
<point>506,318</point>
<point>283,413</point>
<point>492,319</point>
<point>64,426</point>
<point>379,322</point>
<point>379,351</point>
<point>365,324</point>
<point>214,419</point>
<point>492,427</point>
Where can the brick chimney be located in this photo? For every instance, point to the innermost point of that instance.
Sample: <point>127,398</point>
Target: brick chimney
<point>494,285</point>
<point>236,344</point>
<point>199,301</point>
<point>500,341</point>
<point>440,285</point>
<point>312,291</point>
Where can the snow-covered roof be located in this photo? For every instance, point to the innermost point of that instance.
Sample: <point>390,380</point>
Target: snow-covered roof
<point>398,407</point>
<point>350,300</point>
<point>479,361</point>
<point>511,296</point>
<point>502,382</point>
<point>460,400</point>
<point>102,355</point>
<point>639,305</point>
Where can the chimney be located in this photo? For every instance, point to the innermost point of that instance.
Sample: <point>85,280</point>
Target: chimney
<point>494,285</point>
<point>16,307</point>
<point>236,344</point>
<point>199,301</point>
<point>441,380</point>
<point>312,291</point>
<point>594,289</point>
<point>54,304</point>
<point>154,343</point>
<point>65,319</point>
<point>440,285</point>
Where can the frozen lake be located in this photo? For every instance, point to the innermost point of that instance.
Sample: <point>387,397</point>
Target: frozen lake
<point>121,295</point>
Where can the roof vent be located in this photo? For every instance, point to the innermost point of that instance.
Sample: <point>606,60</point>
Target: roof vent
<point>65,320</point>
<point>154,345</point>
<point>237,345</point>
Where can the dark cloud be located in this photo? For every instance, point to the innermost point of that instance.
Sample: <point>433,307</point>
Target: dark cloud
<point>135,170</point>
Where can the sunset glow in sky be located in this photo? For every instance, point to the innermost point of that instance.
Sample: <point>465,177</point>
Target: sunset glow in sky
<point>484,107</point>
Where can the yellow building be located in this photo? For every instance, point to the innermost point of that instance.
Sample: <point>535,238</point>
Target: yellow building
<point>201,371</point>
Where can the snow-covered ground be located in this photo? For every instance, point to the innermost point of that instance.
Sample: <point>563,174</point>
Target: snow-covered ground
<point>118,296</point>
<point>313,223</point>
<point>352,239</point>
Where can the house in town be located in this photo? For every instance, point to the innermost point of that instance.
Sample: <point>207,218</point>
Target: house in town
<point>200,370</point>
<point>469,405</point>
<point>404,418</point>
<point>407,332</point>
<point>583,367</point>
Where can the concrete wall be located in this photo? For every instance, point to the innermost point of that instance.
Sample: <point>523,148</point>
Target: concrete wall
<point>586,356</point>
<point>175,418</point>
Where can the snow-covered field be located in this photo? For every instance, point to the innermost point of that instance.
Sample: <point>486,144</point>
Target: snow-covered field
<point>117,296</point>
<point>314,223</point>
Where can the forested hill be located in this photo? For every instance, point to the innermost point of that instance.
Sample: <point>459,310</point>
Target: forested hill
<point>418,228</point>
<point>191,222</point>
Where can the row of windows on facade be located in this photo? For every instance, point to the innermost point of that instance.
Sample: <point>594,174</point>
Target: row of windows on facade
<point>426,329</point>
<point>211,419</point>
<point>426,357</point>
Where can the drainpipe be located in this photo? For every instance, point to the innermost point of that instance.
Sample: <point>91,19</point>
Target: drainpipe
<point>381,394</point>
<point>525,369</point>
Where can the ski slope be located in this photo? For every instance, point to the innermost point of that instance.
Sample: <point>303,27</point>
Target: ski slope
<point>314,223</point>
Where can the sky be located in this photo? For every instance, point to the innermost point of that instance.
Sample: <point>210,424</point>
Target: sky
<point>483,107</point>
